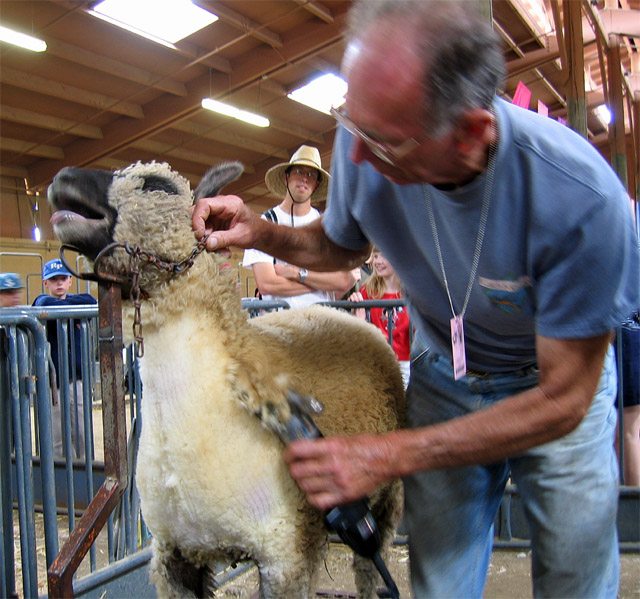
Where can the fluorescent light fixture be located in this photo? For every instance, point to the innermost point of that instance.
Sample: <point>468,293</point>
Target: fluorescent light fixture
<point>20,39</point>
<point>604,113</point>
<point>322,93</point>
<point>36,233</point>
<point>233,112</point>
<point>162,21</point>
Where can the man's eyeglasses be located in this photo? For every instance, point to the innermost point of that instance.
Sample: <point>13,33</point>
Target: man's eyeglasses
<point>310,173</point>
<point>390,154</point>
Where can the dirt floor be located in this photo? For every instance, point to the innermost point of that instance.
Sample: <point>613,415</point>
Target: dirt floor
<point>509,576</point>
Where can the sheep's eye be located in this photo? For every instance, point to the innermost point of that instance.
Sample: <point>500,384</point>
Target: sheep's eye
<point>159,184</point>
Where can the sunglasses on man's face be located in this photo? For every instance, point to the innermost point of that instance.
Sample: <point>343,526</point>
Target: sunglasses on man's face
<point>390,154</point>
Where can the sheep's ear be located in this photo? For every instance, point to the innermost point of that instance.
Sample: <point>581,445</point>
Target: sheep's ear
<point>216,178</point>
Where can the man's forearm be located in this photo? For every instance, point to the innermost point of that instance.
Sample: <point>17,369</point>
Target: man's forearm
<point>337,281</point>
<point>309,247</point>
<point>338,469</point>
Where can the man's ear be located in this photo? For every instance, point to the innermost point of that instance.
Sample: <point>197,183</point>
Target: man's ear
<point>474,131</point>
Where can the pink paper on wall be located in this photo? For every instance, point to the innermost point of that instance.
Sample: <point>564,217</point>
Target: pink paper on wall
<point>543,109</point>
<point>522,97</point>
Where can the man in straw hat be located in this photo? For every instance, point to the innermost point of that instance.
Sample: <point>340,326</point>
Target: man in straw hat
<point>298,182</point>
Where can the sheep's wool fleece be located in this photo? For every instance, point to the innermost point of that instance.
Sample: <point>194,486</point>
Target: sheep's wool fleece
<point>210,472</point>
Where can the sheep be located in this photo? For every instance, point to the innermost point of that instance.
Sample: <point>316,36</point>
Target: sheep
<point>212,481</point>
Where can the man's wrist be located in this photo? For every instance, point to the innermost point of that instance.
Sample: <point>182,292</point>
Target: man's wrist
<point>302,275</point>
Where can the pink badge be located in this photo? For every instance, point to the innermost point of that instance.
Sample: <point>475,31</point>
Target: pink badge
<point>457,348</point>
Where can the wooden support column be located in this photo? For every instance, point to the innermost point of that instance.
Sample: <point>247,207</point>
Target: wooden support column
<point>486,9</point>
<point>576,98</point>
<point>635,127</point>
<point>617,140</point>
<point>636,145</point>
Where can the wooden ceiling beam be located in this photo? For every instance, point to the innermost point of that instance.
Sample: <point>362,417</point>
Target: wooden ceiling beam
<point>246,25</point>
<point>13,171</point>
<point>317,9</point>
<point>231,139</point>
<point>114,67</point>
<point>51,123</point>
<point>315,39</point>
<point>30,148</point>
<point>156,147</point>
<point>512,44</point>
<point>533,59</point>
<point>198,55</point>
<point>48,87</point>
<point>166,110</point>
<point>296,130</point>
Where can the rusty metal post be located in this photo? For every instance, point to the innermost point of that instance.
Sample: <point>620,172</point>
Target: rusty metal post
<point>60,575</point>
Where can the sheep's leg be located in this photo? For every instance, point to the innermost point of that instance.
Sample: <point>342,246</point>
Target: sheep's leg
<point>175,577</point>
<point>292,575</point>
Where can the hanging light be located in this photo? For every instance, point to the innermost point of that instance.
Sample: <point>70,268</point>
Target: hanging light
<point>22,40</point>
<point>235,113</point>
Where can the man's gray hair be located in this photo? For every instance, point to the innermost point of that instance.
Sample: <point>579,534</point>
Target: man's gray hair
<point>460,52</point>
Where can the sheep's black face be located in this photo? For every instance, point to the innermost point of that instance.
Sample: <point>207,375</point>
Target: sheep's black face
<point>83,217</point>
<point>142,204</point>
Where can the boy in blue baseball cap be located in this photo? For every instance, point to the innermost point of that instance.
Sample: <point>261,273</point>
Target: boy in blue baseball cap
<point>11,289</point>
<point>57,280</point>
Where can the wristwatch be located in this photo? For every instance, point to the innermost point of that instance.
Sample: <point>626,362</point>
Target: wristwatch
<point>302,274</point>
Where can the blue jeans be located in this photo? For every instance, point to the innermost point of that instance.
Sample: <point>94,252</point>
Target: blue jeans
<point>568,487</point>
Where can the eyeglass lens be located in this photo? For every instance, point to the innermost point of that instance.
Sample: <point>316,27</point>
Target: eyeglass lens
<point>375,146</point>
<point>308,173</point>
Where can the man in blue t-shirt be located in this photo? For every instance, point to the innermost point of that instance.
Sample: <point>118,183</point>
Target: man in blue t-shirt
<point>57,281</point>
<point>515,244</point>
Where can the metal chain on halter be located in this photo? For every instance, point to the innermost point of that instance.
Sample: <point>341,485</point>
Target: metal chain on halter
<point>136,256</point>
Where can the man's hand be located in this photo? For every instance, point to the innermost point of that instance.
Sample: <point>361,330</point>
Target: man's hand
<point>335,470</point>
<point>227,221</point>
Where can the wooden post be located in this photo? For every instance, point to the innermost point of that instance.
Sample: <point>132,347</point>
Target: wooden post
<point>576,96</point>
<point>616,127</point>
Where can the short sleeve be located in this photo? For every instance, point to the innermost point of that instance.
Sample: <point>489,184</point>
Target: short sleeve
<point>338,222</point>
<point>588,285</point>
<point>252,257</point>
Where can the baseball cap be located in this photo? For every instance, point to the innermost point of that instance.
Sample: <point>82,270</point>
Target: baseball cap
<point>54,268</point>
<point>10,280</point>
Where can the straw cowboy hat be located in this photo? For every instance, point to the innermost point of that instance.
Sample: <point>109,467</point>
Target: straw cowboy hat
<point>303,156</point>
